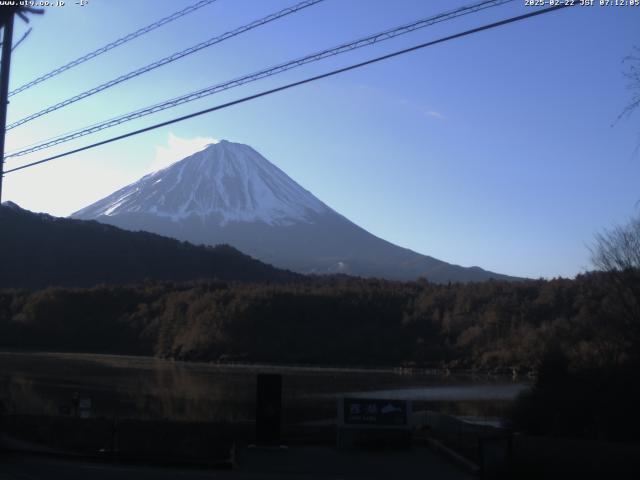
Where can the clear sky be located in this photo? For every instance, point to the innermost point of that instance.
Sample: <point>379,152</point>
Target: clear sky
<point>495,150</point>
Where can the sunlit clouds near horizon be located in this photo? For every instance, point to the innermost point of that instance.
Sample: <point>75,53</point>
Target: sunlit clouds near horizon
<point>178,148</point>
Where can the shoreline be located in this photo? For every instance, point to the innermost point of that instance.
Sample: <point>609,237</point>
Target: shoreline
<point>258,367</point>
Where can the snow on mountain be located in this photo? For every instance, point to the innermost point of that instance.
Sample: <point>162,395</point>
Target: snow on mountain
<point>229,181</point>
<point>229,193</point>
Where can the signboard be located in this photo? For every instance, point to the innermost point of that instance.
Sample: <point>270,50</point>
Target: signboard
<point>81,405</point>
<point>373,412</point>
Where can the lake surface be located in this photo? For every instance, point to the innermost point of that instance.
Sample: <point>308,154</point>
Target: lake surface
<point>142,387</point>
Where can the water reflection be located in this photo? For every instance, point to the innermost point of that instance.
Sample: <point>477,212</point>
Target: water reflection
<point>146,388</point>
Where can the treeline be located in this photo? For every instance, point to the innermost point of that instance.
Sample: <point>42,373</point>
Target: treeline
<point>330,320</point>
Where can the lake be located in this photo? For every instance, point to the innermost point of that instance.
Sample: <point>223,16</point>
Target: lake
<point>149,388</point>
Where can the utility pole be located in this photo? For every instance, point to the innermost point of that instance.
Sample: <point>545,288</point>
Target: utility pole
<point>5,65</point>
<point>7,15</point>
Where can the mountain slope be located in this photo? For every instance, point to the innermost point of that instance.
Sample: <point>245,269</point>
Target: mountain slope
<point>229,193</point>
<point>38,250</point>
<point>226,183</point>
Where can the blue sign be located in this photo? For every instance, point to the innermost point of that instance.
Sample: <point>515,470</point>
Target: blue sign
<point>374,412</point>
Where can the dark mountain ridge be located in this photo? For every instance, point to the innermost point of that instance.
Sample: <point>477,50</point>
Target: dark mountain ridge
<point>38,250</point>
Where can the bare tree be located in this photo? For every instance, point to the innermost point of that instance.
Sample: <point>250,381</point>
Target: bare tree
<point>617,252</point>
<point>632,61</point>
<point>633,74</point>
<point>618,249</point>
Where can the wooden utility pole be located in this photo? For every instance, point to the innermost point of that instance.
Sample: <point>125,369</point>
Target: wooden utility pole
<point>7,15</point>
<point>5,65</point>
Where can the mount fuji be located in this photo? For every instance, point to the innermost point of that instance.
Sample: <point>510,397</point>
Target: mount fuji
<point>229,193</point>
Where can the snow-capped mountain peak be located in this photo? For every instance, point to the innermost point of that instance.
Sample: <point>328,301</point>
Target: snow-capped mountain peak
<point>228,193</point>
<point>226,182</point>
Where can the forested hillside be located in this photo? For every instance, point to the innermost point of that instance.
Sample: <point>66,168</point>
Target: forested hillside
<point>332,320</point>
<point>38,250</point>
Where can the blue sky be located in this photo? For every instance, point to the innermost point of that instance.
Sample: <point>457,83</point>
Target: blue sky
<point>495,150</point>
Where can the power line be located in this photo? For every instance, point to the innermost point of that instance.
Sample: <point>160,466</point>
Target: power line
<point>22,39</point>
<point>363,42</point>
<point>167,60</point>
<point>112,45</point>
<point>388,34</point>
<point>295,84</point>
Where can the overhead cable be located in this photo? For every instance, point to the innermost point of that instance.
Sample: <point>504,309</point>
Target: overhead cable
<point>330,52</point>
<point>293,84</point>
<point>166,60</point>
<point>112,45</point>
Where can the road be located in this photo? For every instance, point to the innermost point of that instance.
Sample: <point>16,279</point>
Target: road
<point>304,463</point>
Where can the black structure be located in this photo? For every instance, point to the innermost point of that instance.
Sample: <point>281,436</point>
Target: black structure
<point>7,45</point>
<point>496,453</point>
<point>268,409</point>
